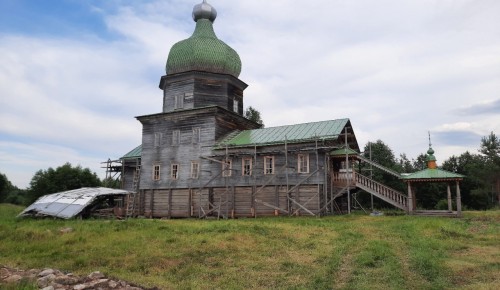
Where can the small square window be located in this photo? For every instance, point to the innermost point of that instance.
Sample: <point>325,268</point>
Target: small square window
<point>174,174</point>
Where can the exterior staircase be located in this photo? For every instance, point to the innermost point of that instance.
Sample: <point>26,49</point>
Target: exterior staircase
<point>387,194</point>
<point>381,191</point>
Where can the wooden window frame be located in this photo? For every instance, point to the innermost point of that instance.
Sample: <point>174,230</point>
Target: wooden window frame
<point>269,170</point>
<point>236,106</point>
<point>195,170</point>
<point>227,168</point>
<point>176,137</point>
<point>174,171</point>
<point>157,140</point>
<point>244,171</point>
<point>156,172</point>
<point>303,163</point>
<point>178,102</point>
<point>196,135</point>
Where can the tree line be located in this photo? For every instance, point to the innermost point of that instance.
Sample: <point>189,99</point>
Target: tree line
<point>480,188</point>
<point>63,178</point>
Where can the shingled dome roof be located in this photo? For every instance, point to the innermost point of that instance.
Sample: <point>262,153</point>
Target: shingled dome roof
<point>203,51</point>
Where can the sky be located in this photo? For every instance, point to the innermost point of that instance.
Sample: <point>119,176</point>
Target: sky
<point>74,74</point>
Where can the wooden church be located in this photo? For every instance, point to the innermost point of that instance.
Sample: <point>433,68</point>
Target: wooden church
<point>200,157</point>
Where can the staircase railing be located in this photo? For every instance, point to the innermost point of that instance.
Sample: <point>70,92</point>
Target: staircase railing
<point>381,191</point>
<point>378,166</point>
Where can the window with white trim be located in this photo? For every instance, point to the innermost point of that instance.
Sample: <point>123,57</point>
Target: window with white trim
<point>269,165</point>
<point>196,135</point>
<point>174,171</point>
<point>195,170</point>
<point>303,163</point>
<point>178,102</point>
<point>227,167</point>
<point>246,166</point>
<point>176,137</point>
<point>156,172</point>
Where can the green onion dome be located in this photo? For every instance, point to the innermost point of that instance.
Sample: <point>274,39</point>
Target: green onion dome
<point>203,51</point>
<point>430,155</point>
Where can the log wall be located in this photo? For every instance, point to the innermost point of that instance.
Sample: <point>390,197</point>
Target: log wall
<point>230,202</point>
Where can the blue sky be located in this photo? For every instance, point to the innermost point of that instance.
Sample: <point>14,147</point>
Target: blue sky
<point>75,73</point>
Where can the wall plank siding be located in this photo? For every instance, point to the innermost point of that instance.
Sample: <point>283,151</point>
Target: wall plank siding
<point>206,101</point>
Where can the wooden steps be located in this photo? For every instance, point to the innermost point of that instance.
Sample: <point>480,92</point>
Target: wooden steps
<point>381,191</point>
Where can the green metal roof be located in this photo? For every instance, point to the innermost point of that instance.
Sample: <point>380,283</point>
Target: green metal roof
<point>343,152</point>
<point>135,153</point>
<point>203,51</point>
<point>429,174</point>
<point>292,134</point>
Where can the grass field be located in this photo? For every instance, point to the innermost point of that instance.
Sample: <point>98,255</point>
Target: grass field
<point>341,252</point>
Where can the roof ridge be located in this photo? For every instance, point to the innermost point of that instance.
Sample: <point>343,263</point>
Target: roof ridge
<point>306,123</point>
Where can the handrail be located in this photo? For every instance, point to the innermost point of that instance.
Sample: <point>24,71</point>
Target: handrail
<point>388,194</point>
<point>390,171</point>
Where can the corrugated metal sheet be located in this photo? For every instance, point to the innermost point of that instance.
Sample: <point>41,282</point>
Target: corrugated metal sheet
<point>293,134</point>
<point>68,204</point>
<point>135,153</point>
<point>429,174</point>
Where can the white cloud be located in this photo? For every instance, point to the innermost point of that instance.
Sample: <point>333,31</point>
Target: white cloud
<point>397,69</point>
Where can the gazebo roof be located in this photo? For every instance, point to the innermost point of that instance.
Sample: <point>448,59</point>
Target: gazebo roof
<point>432,175</point>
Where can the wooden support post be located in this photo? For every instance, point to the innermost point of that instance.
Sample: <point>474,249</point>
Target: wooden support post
<point>297,198</point>
<point>252,209</point>
<point>326,166</point>
<point>459,200</point>
<point>151,204</point>
<point>448,191</point>
<point>190,203</point>
<point>170,203</point>
<point>276,200</point>
<point>233,210</point>
<point>318,177</point>
<point>410,199</point>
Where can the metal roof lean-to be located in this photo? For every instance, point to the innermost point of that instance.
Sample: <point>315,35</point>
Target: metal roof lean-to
<point>68,204</point>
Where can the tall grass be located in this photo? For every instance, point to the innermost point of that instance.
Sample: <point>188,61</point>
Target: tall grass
<point>341,252</point>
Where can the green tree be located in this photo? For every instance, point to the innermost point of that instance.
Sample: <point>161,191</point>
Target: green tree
<point>490,148</point>
<point>111,183</point>
<point>10,193</point>
<point>62,178</point>
<point>253,115</point>
<point>474,187</point>
<point>382,154</point>
<point>5,187</point>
